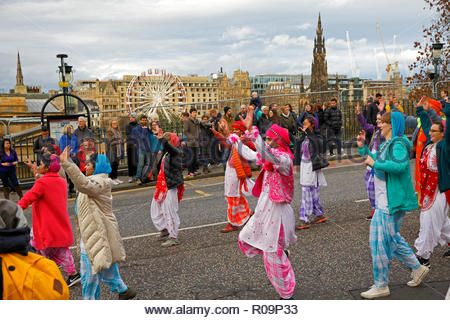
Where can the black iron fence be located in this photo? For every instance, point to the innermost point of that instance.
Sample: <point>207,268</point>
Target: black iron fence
<point>347,101</point>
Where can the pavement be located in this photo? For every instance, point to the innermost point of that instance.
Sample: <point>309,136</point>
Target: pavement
<point>330,260</point>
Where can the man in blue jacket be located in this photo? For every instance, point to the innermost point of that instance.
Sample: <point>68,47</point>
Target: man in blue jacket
<point>141,135</point>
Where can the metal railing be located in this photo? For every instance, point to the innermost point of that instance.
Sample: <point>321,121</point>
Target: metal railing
<point>347,101</point>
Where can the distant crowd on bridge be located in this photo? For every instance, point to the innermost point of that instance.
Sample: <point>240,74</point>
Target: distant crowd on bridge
<point>273,138</point>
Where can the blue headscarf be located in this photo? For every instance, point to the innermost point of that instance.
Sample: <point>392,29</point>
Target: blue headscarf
<point>398,124</point>
<point>102,165</point>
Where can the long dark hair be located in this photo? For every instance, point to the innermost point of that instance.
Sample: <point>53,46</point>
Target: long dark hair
<point>2,149</point>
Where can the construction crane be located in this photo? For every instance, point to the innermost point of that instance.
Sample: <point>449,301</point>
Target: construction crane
<point>390,66</point>
<point>353,64</point>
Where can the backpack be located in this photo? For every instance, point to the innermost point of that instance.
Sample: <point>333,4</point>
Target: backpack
<point>30,277</point>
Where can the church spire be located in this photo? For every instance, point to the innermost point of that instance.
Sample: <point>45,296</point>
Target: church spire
<point>19,76</point>
<point>319,27</point>
<point>319,73</point>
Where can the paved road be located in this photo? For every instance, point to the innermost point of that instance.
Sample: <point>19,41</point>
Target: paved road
<point>331,261</point>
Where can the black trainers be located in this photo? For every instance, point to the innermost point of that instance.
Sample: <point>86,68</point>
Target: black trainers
<point>423,261</point>
<point>127,295</point>
<point>73,280</point>
<point>447,254</point>
<point>287,253</point>
<point>368,218</point>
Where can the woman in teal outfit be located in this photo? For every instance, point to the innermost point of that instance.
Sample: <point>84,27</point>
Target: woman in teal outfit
<point>394,196</point>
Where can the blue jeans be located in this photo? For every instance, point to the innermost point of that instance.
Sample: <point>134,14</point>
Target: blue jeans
<point>91,282</point>
<point>144,158</point>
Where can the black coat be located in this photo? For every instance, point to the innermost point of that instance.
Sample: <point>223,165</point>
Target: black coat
<point>14,240</point>
<point>172,164</point>
<point>215,121</point>
<point>128,130</point>
<point>321,116</point>
<point>206,135</point>
<point>315,148</point>
<point>256,102</point>
<point>371,115</point>
<point>263,124</point>
<point>333,119</point>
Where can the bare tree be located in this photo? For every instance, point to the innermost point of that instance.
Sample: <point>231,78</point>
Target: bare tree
<point>437,31</point>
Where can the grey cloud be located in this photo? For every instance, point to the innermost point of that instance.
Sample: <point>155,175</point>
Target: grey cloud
<point>111,38</point>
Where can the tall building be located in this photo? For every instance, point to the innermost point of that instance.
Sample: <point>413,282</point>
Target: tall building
<point>20,88</point>
<point>319,73</point>
<point>260,83</point>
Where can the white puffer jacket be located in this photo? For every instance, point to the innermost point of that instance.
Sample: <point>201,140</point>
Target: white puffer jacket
<point>97,223</point>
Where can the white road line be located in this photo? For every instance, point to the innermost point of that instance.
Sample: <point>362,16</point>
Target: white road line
<point>182,229</point>
<point>157,233</point>
<point>362,200</point>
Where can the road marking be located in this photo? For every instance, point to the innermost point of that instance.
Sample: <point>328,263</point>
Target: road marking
<point>362,200</point>
<point>182,229</point>
<point>203,195</point>
<point>157,233</point>
<point>210,185</point>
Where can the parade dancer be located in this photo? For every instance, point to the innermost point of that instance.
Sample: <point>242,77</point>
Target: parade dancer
<point>311,175</point>
<point>237,175</point>
<point>434,186</point>
<point>394,196</point>
<point>374,132</point>
<point>100,241</point>
<point>169,190</point>
<point>52,232</point>
<point>272,228</point>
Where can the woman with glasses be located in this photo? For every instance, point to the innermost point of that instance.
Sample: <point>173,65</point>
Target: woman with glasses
<point>434,186</point>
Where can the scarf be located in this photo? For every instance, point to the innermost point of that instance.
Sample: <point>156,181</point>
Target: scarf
<point>118,137</point>
<point>161,185</point>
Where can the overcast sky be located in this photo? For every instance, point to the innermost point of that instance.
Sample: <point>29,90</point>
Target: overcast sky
<point>107,39</point>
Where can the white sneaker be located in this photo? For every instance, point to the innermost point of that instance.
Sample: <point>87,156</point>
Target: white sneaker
<point>119,181</point>
<point>130,179</point>
<point>114,182</point>
<point>376,292</point>
<point>170,242</point>
<point>418,275</point>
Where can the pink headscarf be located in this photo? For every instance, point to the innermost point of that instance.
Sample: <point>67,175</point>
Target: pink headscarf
<point>174,140</point>
<point>54,164</point>
<point>280,136</point>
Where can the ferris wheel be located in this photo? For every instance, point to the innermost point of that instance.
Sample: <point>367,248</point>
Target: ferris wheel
<point>154,90</point>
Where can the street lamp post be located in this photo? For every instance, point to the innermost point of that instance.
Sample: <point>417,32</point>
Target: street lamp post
<point>66,76</point>
<point>436,54</point>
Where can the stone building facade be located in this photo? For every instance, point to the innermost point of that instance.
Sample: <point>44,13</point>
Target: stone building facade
<point>202,92</point>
